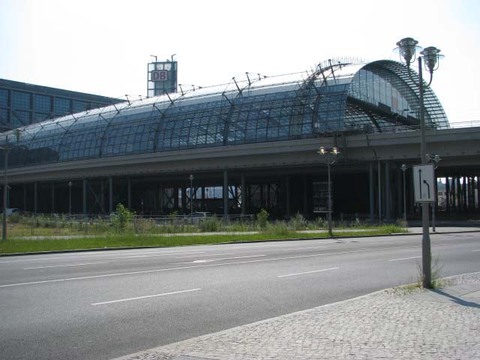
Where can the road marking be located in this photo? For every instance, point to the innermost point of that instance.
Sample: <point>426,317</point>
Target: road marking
<point>476,250</point>
<point>102,254</point>
<point>308,272</point>
<point>145,297</point>
<point>407,258</point>
<point>229,258</point>
<point>185,268</point>
<point>60,266</point>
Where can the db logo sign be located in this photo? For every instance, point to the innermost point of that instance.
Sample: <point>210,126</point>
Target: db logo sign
<point>159,75</point>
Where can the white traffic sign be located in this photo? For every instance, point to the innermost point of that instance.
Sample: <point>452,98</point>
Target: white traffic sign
<point>424,183</point>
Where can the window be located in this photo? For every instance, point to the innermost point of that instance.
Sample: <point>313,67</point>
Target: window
<point>62,106</point>
<point>21,100</point>
<point>43,104</point>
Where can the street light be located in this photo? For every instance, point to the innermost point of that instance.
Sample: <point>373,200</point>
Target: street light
<point>330,158</point>
<point>408,47</point>
<point>404,168</point>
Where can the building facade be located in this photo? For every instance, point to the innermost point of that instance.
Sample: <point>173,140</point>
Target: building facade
<point>23,104</point>
<point>255,139</point>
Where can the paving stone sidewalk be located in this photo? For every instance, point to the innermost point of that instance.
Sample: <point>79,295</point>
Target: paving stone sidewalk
<point>402,323</point>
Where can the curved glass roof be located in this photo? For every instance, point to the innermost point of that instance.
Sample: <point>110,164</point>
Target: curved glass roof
<point>336,97</point>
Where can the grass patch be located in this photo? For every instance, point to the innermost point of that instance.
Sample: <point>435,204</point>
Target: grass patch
<point>44,233</point>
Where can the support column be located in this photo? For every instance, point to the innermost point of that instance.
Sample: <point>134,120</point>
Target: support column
<point>447,195</point>
<point>371,186</point>
<point>184,199</point>
<point>388,194</point>
<point>243,194</point>
<point>84,195</point>
<point>305,197</point>
<point>25,197</point>
<point>129,193</point>
<point>225,194</point>
<point>110,195</point>
<point>478,192</point>
<point>53,198</point>
<point>379,173</point>
<point>287,193</point>
<point>35,198</point>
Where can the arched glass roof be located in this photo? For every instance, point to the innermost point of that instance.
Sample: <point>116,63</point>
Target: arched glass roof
<point>336,97</point>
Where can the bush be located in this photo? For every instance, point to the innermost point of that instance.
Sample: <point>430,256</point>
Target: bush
<point>121,217</point>
<point>298,222</point>
<point>262,218</point>
<point>210,224</point>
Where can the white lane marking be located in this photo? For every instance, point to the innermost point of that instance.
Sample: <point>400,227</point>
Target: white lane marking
<point>229,258</point>
<point>184,268</point>
<point>60,266</point>
<point>407,258</point>
<point>156,255</point>
<point>109,254</point>
<point>476,250</point>
<point>145,297</point>
<point>308,272</point>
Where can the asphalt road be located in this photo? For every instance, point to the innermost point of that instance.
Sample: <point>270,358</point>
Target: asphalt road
<point>101,305</point>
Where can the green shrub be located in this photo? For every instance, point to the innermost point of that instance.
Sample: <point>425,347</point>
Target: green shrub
<point>121,217</point>
<point>211,224</point>
<point>262,218</point>
<point>298,222</point>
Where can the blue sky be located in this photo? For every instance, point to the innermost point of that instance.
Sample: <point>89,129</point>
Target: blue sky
<point>103,46</point>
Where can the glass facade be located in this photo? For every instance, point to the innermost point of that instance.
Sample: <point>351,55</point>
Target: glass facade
<point>335,98</point>
<point>23,104</point>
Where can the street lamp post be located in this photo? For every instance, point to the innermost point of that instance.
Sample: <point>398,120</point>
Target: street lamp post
<point>408,47</point>
<point>330,158</point>
<point>404,168</point>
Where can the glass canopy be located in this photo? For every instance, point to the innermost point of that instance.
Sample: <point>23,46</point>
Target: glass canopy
<point>337,97</point>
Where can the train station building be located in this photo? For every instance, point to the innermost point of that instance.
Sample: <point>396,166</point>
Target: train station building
<point>250,144</point>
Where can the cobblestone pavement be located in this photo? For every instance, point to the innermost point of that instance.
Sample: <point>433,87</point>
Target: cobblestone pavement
<point>400,323</point>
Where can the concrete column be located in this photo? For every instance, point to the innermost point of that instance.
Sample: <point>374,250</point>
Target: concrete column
<point>388,194</point>
<point>184,199</point>
<point>371,185</point>
<point>287,193</point>
<point>305,196</point>
<point>225,194</point>
<point>129,193</point>
<point>447,194</point>
<point>35,198</point>
<point>53,198</point>
<point>243,194</point>
<point>110,195</point>
<point>84,195</point>
<point>379,173</point>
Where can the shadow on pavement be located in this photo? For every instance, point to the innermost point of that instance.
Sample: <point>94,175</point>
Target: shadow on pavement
<point>458,300</point>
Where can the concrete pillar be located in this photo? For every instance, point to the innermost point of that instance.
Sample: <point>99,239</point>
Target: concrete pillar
<point>84,195</point>
<point>129,193</point>
<point>287,193</point>
<point>110,195</point>
<point>225,194</point>
<point>243,194</point>
<point>388,194</point>
<point>53,198</point>
<point>35,198</point>
<point>371,186</point>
